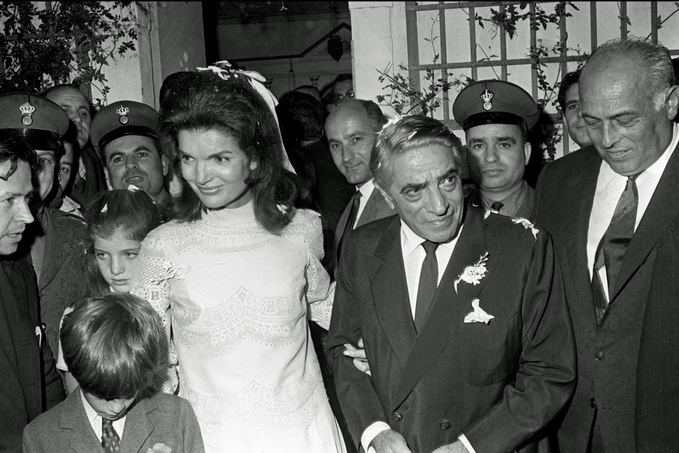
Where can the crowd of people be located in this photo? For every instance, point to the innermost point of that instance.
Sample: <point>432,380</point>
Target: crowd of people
<point>236,273</point>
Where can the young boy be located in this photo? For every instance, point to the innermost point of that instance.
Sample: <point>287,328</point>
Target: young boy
<point>115,347</point>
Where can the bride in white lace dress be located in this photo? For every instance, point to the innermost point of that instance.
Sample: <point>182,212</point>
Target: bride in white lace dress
<point>237,274</point>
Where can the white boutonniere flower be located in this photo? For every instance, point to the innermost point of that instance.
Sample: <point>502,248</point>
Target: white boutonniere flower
<point>474,273</point>
<point>159,448</point>
<point>527,225</point>
<point>478,314</point>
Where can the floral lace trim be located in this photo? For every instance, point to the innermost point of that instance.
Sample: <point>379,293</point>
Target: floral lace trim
<point>238,418</point>
<point>271,321</point>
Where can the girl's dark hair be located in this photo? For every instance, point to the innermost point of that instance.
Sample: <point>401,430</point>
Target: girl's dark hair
<point>131,212</point>
<point>205,100</point>
<point>115,346</point>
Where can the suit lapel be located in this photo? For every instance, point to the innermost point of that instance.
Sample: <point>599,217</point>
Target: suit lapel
<point>449,306</point>
<point>372,208</point>
<point>56,251</point>
<point>662,209</point>
<point>74,418</point>
<point>341,225</point>
<point>390,293</point>
<point>138,426</point>
<point>578,203</point>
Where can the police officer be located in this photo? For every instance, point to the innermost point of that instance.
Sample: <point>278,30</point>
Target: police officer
<point>126,135</point>
<point>55,242</point>
<point>496,117</point>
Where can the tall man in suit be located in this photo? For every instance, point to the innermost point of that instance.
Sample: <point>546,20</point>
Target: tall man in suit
<point>496,117</point>
<point>612,210</point>
<point>462,312</point>
<point>29,380</point>
<point>55,243</point>
<point>351,130</point>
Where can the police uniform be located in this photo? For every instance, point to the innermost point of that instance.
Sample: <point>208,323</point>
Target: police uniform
<point>55,243</point>
<point>498,102</point>
<point>123,118</point>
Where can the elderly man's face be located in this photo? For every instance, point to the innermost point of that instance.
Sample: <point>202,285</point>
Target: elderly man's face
<point>426,192</point>
<point>497,157</point>
<point>574,123</point>
<point>14,211</point>
<point>134,159</point>
<point>77,107</point>
<point>351,139</point>
<point>629,126</point>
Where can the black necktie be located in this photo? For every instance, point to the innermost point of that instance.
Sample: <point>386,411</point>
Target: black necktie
<point>426,289</point>
<point>109,437</point>
<point>613,245</point>
<point>497,206</point>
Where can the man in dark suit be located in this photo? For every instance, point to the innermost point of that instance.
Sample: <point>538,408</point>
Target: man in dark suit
<point>351,130</point>
<point>55,243</point>
<point>612,210</point>
<point>29,380</point>
<point>462,313</point>
<point>496,117</point>
<point>90,179</point>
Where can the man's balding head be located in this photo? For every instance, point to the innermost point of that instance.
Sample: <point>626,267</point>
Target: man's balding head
<point>628,100</point>
<point>76,106</point>
<point>351,130</point>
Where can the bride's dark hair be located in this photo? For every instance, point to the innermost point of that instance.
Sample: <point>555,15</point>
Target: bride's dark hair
<point>205,100</point>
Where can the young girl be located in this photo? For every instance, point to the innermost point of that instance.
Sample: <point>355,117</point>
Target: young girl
<point>117,222</point>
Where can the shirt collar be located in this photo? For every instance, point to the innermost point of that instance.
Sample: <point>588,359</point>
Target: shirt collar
<point>89,410</point>
<point>366,189</point>
<point>511,202</point>
<point>410,241</point>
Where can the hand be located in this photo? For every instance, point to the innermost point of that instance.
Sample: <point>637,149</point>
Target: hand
<point>455,447</point>
<point>358,354</point>
<point>390,441</point>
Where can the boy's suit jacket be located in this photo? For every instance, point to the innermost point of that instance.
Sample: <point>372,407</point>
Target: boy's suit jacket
<point>499,384</point>
<point>160,419</point>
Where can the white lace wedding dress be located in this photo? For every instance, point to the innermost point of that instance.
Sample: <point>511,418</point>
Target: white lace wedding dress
<point>236,298</point>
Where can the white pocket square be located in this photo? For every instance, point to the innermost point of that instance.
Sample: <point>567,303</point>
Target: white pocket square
<point>478,315</point>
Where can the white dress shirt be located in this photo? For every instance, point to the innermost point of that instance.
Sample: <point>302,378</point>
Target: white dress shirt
<point>609,187</point>
<point>366,191</point>
<point>413,257</point>
<point>95,419</point>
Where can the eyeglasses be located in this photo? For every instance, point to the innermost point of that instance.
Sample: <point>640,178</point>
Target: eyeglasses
<point>337,98</point>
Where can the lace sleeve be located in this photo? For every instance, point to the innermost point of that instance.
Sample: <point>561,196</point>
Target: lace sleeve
<point>320,292</point>
<point>151,282</point>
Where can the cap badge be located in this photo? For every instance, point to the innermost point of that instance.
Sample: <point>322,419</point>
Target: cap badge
<point>123,111</point>
<point>487,96</point>
<point>26,114</point>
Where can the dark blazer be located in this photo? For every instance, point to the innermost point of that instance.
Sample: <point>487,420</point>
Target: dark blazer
<point>376,208</point>
<point>85,190</point>
<point>29,382</point>
<point>63,277</point>
<point>164,419</point>
<point>499,384</point>
<point>607,353</point>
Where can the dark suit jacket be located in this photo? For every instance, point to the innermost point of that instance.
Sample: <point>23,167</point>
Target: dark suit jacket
<point>376,208</point>
<point>165,419</point>
<point>85,191</point>
<point>607,353</point>
<point>498,383</point>
<point>29,382</point>
<point>63,277</point>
